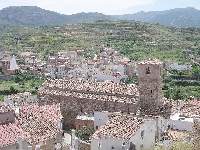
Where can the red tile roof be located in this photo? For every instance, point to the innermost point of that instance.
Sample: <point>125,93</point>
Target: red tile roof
<point>41,122</point>
<point>191,108</point>
<point>34,124</point>
<point>10,133</point>
<point>4,108</point>
<point>119,126</point>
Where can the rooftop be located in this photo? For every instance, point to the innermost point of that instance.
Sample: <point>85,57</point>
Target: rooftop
<point>85,86</point>
<point>191,108</point>
<point>4,108</point>
<point>151,61</point>
<point>91,96</point>
<point>119,126</point>
<point>177,135</point>
<point>10,133</point>
<point>84,117</point>
<point>41,122</point>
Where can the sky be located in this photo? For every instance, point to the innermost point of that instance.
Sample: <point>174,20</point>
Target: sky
<point>109,7</point>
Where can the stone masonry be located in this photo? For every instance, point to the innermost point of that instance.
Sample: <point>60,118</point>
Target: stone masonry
<point>150,85</point>
<point>83,96</point>
<point>80,96</point>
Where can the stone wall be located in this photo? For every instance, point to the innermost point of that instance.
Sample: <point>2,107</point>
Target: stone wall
<point>72,106</point>
<point>7,117</point>
<point>83,123</point>
<point>196,135</point>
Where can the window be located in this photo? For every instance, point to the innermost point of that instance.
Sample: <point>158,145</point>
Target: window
<point>141,146</point>
<point>123,145</point>
<point>112,147</point>
<point>142,134</point>
<point>99,145</point>
<point>148,70</point>
<point>17,145</point>
<point>132,146</point>
<point>96,127</point>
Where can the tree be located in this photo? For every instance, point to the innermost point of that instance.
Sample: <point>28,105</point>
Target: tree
<point>196,71</point>
<point>13,90</point>
<point>85,133</point>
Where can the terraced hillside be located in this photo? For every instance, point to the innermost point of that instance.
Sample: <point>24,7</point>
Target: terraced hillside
<point>134,39</point>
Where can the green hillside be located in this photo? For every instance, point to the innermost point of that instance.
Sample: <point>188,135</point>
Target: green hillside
<point>133,39</point>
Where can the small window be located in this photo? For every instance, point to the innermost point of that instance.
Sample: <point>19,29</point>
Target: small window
<point>96,127</point>
<point>151,91</point>
<point>148,70</point>
<point>99,145</point>
<point>112,147</point>
<point>142,134</point>
<point>17,145</point>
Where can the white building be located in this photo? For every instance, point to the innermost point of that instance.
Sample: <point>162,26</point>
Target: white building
<point>179,67</point>
<point>100,119</point>
<point>183,117</point>
<point>181,123</point>
<point>124,132</point>
<point>19,99</point>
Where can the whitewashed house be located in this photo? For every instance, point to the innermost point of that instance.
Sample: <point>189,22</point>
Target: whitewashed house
<point>183,117</point>
<point>182,123</point>
<point>124,132</point>
<point>51,69</point>
<point>179,67</point>
<point>100,119</point>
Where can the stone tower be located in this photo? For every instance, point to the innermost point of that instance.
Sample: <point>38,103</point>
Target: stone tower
<point>150,85</point>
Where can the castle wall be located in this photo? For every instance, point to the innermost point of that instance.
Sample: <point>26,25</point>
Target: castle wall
<point>72,106</point>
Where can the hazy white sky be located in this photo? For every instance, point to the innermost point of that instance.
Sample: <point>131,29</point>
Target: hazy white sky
<point>103,6</point>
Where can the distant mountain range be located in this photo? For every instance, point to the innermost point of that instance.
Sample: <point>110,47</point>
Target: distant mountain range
<point>32,15</point>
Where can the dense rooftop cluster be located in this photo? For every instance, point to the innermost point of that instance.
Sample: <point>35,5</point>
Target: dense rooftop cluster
<point>4,108</point>
<point>10,133</point>
<point>41,122</point>
<point>33,124</point>
<point>82,86</point>
<point>91,96</point>
<point>191,108</point>
<point>120,126</point>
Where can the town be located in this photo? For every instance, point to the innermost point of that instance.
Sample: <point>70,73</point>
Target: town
<point>87,104</point>
<point>99,75</point>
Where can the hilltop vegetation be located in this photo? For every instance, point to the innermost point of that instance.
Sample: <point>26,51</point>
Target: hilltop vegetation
<point>133,39</point>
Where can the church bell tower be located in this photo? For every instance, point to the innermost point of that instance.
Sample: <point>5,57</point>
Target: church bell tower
<point>150,85</point>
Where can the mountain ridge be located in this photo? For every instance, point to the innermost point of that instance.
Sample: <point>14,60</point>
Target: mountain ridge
<point>33,15</point>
